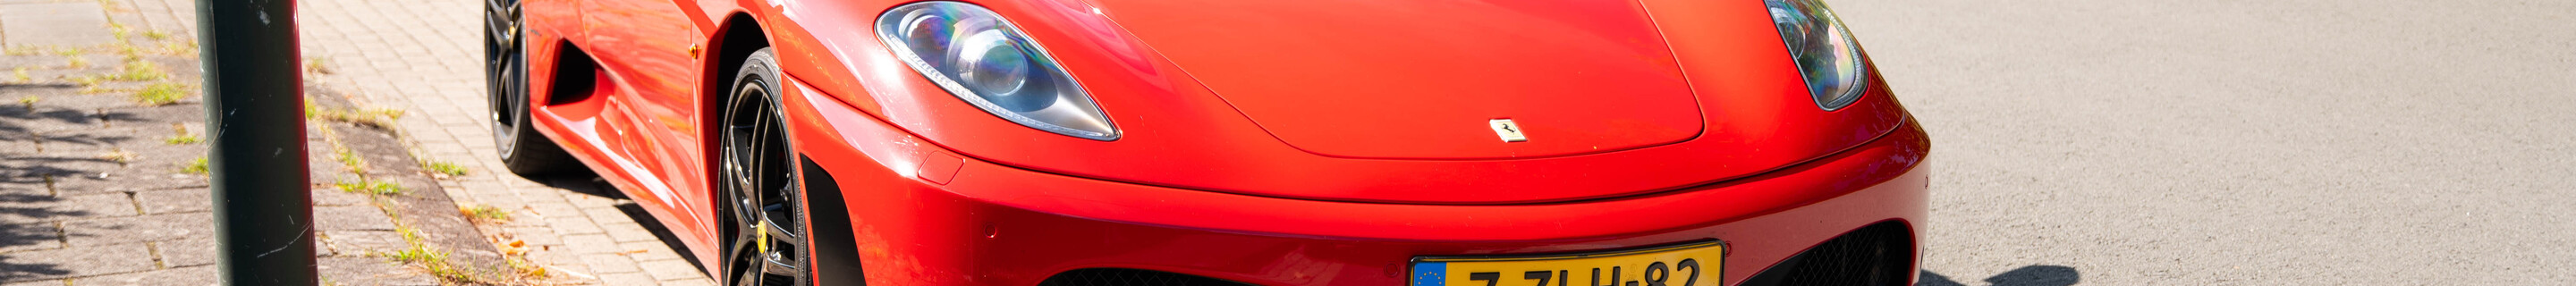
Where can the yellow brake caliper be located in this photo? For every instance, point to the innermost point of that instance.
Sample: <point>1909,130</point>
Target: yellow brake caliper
<point>761,233</point>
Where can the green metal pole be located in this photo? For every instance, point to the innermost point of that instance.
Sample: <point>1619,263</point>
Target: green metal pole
<point>255,114</point>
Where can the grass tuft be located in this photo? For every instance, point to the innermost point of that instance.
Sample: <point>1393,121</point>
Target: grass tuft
<point>30,102</point>
<point>76,62</point>
<point>140,70</point>
<point>197,167</point>
<point>183,137</point>
<point>371,187</point>
<point>23,50</point>
<point>156,35</point>
<point>445,168</point>
<point>118,30</point>
<point>486,215</point>
<point>317,66</point>
<point>163,93</point>
<point>179,48</point>
<point>120,156</point>
<point>20,76</point>
<point>379,118</point>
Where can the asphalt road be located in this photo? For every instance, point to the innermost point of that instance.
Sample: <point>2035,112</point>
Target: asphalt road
<point>2230,142</point>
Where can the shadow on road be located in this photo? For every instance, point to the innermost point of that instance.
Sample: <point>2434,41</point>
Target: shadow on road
<point>2034,275</point>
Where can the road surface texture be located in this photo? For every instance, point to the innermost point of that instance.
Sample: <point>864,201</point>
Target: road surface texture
<point>2287,142</point>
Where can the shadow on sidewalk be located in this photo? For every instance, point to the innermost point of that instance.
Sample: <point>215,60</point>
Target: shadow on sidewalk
<point>2034,275</point>
<point>25,221</point>
<point>590,184</point>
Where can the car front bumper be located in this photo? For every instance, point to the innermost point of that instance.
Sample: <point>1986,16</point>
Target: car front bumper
<point>922,215</point>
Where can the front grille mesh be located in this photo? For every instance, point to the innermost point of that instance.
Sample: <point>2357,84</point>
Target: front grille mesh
<point>1130,277</point>
<point>1880,254</point>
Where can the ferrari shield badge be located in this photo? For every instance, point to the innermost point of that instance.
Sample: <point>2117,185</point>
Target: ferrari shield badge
<point>1511,132</point>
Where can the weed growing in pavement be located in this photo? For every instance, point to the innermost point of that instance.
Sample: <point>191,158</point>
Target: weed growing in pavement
<point>76,62</point>
<point>350,159</point>
<point>20,76</point>
<point>110,6</point>
<point>419,251</point>
<point>371,187</point>
<point>379,118</point>
<point>140,70</point>
<point>427,257</point>
<point>180,48</point>
<point>131,52</point>
<point>183,137</point>
<point>118,30</point>
<point>197,167</point>
<point>67,51</point>
<point>118,155</point>
<point>445,168</point>
<point>315,65</point>
<point>161,93</point>
<point>484,215</point>
<point>22,50</point>
<point>156,35</point>
<point>30,102</point>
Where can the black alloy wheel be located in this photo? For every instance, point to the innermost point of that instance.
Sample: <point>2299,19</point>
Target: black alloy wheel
<point>505,69</point>
<point>766,242</point>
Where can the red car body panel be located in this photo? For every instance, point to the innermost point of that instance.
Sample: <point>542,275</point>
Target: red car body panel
<point>1425,68</point>
<point>1703,123</point>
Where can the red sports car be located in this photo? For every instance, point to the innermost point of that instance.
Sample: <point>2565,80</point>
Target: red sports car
<point>1265,142</point>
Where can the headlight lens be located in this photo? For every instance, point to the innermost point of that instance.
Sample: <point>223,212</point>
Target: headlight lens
<point>981,58</point>
<point>1825,52</point>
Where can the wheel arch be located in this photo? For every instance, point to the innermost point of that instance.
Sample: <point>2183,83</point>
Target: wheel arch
<point>737,37</point>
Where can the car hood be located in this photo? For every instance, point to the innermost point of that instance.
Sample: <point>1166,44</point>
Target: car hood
<point>1382,101</point>
<point>1423,79</point>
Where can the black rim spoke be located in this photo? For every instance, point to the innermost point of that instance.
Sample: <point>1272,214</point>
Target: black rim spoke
<point>767,246</point>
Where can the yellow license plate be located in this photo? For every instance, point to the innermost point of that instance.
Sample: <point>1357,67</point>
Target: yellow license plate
<point>1697,264</point>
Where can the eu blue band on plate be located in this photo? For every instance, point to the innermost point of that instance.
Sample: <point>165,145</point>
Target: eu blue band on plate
<point>1430,273</point>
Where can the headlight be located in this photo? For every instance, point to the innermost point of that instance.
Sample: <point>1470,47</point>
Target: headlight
<point>977,56</point>
<point>1825,52</point>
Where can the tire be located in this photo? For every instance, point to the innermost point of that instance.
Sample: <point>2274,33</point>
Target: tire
<point>523,150</point>
<point>766,239</point>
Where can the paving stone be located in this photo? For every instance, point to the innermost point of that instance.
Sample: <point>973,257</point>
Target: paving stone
<point>362,242</point>
<point>671,270</point>
<point>335,197</point>
<point>74,262</point>
<point>535,235</point>
<point>370,271</point>
<point>590,243</point>
<point>71,24</point>
<point>100,205</point>
<point>653,250</point>
<point>185,276</point>
<point>32,206</point>
<point>610,263</point>
<point>689,282</point>
<point>574,224</point>
<point>176,201</point>
<point>627,279</point>
<point>83,233</point>
<point>16,237</point>
<point>56,282</point>
<point>628,232</point>
<point>186,252</point>
<point>352,218</point>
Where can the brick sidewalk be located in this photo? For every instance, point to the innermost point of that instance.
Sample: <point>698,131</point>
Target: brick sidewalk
<point>425,57</point>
